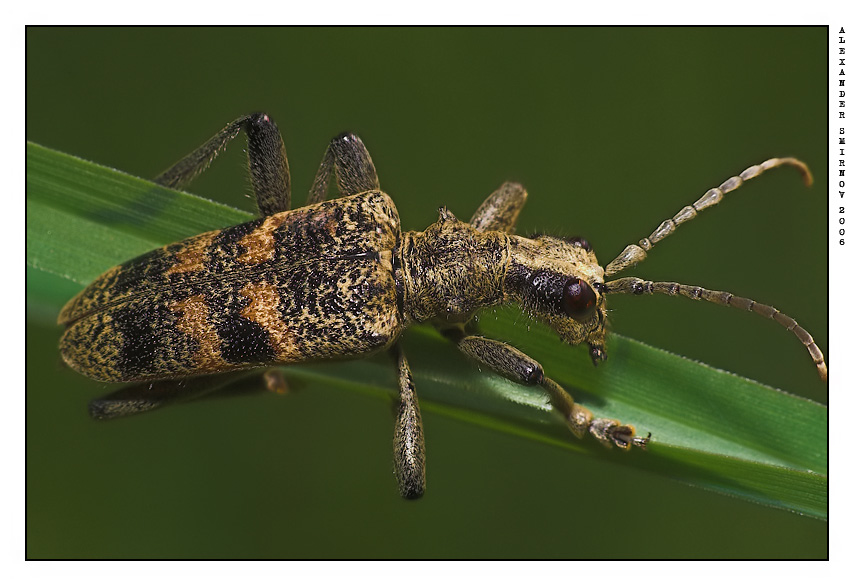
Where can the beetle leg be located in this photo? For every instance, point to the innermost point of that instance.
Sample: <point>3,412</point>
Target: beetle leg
<point>135,399</point>
<point>268,162</point>
<point>409,458</point>
<point>275,381</point>
<point>354,170</point>
<point>500,210</point>
<point>518,367</point>
<point>142,397</point>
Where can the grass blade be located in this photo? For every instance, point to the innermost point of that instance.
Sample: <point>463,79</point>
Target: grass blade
<point>711,429</point>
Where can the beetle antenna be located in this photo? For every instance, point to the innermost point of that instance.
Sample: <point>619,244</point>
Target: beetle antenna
<point>635,253</point>
<point>637,286</point>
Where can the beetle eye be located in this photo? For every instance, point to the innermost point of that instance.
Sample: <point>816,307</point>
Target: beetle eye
<point>578,300</point>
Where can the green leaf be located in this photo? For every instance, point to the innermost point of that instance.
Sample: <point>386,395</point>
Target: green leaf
<point>709,428</point>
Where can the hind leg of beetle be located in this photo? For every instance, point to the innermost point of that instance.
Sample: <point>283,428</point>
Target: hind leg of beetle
<point>142,397</point>
<point>135,399</point>
<point>517,366</point>
<point>409,460</point>
<point>268,162</point>
<point>348,158</point>
<point>500,210</point>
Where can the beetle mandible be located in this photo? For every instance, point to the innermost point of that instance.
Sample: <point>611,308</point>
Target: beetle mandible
<point>339,279</point>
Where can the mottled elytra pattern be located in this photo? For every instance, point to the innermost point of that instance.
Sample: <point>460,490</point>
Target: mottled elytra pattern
<point>301,285</point>
<point>338,279</point>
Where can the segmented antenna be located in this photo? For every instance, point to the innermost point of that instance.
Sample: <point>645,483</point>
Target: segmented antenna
<point>640,287</point>
<point>633,254</point>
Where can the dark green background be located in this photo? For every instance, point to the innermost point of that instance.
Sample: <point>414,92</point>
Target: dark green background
<point>611,130</point>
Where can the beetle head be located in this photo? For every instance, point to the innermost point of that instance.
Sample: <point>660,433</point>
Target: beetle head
<point>559,282</point>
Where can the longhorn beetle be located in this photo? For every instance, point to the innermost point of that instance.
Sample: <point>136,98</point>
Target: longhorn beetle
<point>339,279</point>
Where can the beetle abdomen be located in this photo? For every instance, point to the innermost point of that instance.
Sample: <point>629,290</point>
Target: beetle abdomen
<point>307,284</point>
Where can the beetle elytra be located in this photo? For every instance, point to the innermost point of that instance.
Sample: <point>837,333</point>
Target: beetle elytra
<point>340,279</point>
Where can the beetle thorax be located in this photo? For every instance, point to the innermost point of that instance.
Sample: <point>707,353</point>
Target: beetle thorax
<point>450,270</point>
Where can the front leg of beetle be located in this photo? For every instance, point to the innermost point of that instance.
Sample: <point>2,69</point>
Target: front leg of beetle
<point>500,210</point>
<point>517,366</point>
<point>409,455</point>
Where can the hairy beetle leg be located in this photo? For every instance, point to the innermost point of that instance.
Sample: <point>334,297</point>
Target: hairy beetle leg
<point>148,396</point>
<point>409,453</point>
<point>346,157</point>
<point>609,432</point>
<point>500,210</point>
<point>142,397</point>
<point>354,170</point>
<point>268,162</point>
<point>515,365</point>
<point>275,381</point>
<point>130,401</point>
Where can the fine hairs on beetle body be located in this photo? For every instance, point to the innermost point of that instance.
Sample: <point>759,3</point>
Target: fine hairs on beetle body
<point>339,279</point>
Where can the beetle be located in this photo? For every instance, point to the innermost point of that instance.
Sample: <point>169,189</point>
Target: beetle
<point>340,279</point>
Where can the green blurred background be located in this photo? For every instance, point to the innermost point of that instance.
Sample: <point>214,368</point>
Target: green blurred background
<point>610,129</point>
